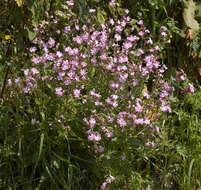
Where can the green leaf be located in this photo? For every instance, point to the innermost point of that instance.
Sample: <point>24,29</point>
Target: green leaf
<point>62,159</point>
<point>100,16</point>
<point>50,174</point>
<point>31,34</point>
<point>190,171</point>
<point>136,142</point>
<point>40,152</point>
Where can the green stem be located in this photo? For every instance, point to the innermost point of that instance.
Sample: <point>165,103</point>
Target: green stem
<point>153,12</point>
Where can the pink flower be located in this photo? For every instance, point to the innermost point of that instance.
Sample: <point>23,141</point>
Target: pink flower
<point>59,91</point>
<point>34,71</point>
<point>191,88</point>
<point>123,59</point>
<point>114,96</point>
<point>103,186</point>
<point>92,122</point>
<point>94,136</point>
<point>9,82</point>
<point>138,108</point>
<point>139,121</point>
<point>97,136</point>
<point>121,122</point>
<point>147,121</point>
<point>117,37</point>
<point>163,34</point>
<point>127,45</point>
<point>114,104</point>
<point>111,21</point>
<point>149,41</point>
<point>112,3</point>
<point>67,29</point>
<point>140,52</point>
<point>51,42</point>
<point>76,93</point>
<point>123,157</point>
<point>109,134</point>
<point>141,33</point>
<point>150,144</point>
<point>17,80</point>
<point>100,149</point>
<point>132,38</point>
<point>119,28</point>
<point>109,101</point>
<point>157,48</point>
<point>163,94</point>
<point>91,137</point>
<point>110,179</point>
<point>32,49</point>
<point>114,85</point>
<point>59,54</point>
<point>166,109</point>
<point>92,10</point>
<point>126,11</point>
<point>26,72</point>
<point>140,22</point>
<point>70,3</point>
<point>26,90</point>
<point>156,129</point>
<point>33,121</point>
<point>146,95</point>
<point>78,40</point>
<point>182,77</point>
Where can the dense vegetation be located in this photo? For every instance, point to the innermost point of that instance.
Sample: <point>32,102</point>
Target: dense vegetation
<point>99,94</point>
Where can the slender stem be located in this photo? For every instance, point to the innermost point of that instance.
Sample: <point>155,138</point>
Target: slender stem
<point>153,20</point>
<point>5,81</point>
<point>7,72</point>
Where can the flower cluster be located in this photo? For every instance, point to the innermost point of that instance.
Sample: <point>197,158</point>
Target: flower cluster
<point>107,70</point>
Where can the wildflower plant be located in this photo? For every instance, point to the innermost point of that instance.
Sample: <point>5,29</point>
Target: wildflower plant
<point>91,81</point>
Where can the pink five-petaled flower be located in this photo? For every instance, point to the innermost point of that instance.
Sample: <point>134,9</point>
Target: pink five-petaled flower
<point>121,122</point>
<point>59,91</point>
<point>76,93</point>
<point>94,137</point>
